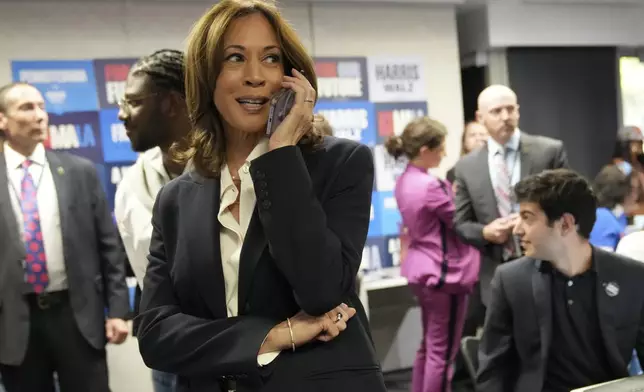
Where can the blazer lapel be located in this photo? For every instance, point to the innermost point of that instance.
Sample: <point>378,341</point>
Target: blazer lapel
<point>525,149</point>
<point>7,214</point>
<point>606,306</point>
<point>542,300</point>
<point>483,165</point>
<point>203,244</point>
<point>63,183</point>
<point>252,249</point>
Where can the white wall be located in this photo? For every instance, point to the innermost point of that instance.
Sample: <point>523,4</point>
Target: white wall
<point>86,30</point>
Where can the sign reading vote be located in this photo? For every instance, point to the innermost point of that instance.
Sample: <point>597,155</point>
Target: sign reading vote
<point>350,120</point>
<point>116,144</point>
<point>393,79</point>
<point>77,133</point>
<point>342,78</point>
<point>67,86</point>
<point>111,76</point>
<point>392,118</point>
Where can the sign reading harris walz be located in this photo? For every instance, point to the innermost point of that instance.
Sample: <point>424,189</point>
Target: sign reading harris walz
<point>67,86</point>
<point>396,79</point>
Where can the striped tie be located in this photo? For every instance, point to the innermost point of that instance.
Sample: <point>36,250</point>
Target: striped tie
<point>502,190</point>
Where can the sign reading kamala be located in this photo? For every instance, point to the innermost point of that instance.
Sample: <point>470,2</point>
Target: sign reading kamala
<point>116,144</point>
<point>342,78</point>
<point>111,75</point>
<point>394,79</point>
<point>392,118</point>
<point>353,120</point>
<point>77,133</point>
<point>67,86</point>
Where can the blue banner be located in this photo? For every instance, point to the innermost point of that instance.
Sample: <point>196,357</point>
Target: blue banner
<point>77,133</point>
<point>116,144</point>
<point>392,118</point>
<point>113,175</point>
<point>353,120</point>
<point>67,86</point>
<point>389,216</point>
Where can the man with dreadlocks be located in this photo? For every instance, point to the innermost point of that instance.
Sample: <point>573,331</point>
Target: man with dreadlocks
<point>154,113</point>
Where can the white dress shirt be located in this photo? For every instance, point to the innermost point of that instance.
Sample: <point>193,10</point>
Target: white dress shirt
<point>232,233</point>
<point>48,209</point>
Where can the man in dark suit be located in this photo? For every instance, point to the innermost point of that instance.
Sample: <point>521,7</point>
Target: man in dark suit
<point>62,272</point>
<point>484,214</point>
<point>567,315</point>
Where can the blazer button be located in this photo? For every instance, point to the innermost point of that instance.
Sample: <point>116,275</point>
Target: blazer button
<point>266,204</point>
<point>263,194</point>
<point>260,175</point>
<point>262,184</point>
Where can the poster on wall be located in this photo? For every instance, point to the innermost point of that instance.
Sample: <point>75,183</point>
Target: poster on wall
<point>77,133</point>
<point>111,75</point>
<point>342,78</point>
<point>632,88</point>
<point>396,79</point>
<point>67,86</point>
<point>354,120</point>
<point>116,144</point>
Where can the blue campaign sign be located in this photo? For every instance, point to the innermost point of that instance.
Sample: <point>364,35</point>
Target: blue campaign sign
<point>114,174</point>
<point>374,254</point>
<point>76,133</point>
<point>353,120</point>
<point>116,144</point>
<point>111,76</point>
<point>342,78</point>
<point>388,210</point>
<point>391,245</point>
<point>392,118</point>
<point>374,219</point>
<point>67,86</point>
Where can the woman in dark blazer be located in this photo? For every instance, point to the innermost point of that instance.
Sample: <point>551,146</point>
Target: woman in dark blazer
<point>254,253</point>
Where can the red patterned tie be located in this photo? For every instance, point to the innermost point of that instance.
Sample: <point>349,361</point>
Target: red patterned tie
<point>36,260</point>
<point>503,191</point>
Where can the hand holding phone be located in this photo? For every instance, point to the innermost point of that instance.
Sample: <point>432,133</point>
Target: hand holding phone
<point>281,104</point>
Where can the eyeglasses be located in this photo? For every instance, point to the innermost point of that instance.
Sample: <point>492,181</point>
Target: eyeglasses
<point>126,104</point>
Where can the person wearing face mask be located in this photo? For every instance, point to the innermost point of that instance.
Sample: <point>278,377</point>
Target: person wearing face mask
<point>485,213</point>
<point>474,137</point>
<point>427,209</point>
<point>255,250</point>
<point>154,113</point>
<point>615,195</point>
<point>567,315</point>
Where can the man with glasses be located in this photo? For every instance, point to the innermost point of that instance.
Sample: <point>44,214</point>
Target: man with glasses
<point>155,116</point>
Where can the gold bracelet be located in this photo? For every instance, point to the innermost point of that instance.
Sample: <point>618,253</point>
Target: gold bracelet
<point>290,330</point>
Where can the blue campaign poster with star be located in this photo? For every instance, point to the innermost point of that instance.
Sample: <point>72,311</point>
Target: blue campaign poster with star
<point>66,85</point>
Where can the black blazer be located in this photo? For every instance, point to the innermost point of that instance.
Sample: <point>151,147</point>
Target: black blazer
<point>302,251</point>
<point>94,261</point>
<point>475,201</point>
<point>518,327</point>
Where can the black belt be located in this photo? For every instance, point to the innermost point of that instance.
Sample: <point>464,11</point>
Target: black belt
<point>47,300</point>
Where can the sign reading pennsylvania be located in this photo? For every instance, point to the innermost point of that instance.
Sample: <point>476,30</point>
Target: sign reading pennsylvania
<point>76,133</point>
<point>350,120</point>
<point>111,75</point>
<point>67,86</point>
<point>116,144</point>
<point>342,78</point>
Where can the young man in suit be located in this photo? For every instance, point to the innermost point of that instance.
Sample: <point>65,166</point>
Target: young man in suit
<point>566,315</point>
<point>484,214</point>
<point>62,274</point>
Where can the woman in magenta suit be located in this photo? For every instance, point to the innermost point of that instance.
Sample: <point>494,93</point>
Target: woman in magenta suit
<point>441,270</point>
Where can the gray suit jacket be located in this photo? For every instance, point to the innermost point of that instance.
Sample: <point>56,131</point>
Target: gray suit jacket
<point>518,325</point>
<point>476,204</point>
<point>94,261</point>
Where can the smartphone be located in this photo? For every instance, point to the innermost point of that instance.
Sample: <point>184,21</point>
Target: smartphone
<point>281,105</point>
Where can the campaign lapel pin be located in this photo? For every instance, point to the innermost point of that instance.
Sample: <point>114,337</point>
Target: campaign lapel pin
<point>611,288</point>
<point>60,170</point>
